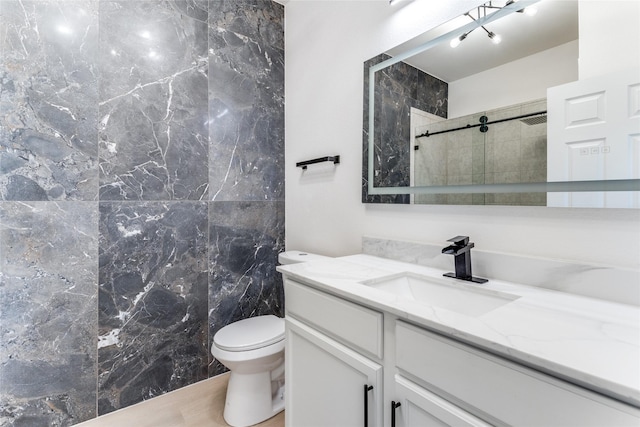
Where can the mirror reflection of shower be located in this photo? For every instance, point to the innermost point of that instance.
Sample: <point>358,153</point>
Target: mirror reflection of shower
<point>505,145</point>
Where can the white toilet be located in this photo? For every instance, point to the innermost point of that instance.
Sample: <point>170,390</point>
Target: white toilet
<point>253,350</point>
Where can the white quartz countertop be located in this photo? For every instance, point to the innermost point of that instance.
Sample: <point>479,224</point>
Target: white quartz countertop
<point>590,342</point>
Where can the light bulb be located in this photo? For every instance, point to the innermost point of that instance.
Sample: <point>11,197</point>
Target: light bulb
<point>456,42</point>
<point>495,38</point>
<point>530,11</point>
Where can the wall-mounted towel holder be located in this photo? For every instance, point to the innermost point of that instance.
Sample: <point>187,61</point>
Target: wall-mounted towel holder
<point>334,159</point>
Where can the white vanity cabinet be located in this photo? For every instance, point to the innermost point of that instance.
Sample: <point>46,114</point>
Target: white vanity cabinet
<point>335,347</point>
<point>420,407</point>
<point>331,382</point>
<point>500,391</point>
<point>330,346</point>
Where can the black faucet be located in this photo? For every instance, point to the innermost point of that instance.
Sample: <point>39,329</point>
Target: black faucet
<point>461,251</point>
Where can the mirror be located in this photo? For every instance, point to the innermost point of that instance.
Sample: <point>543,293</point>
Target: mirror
<point>473,125</point>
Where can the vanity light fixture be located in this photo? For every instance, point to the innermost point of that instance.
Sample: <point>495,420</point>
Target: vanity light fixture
<point>456,42</point>
<point>529,10</point>
<point>495,38</point>
<point>481,13</point>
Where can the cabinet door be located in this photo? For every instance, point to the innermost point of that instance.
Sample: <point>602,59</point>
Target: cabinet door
<point>499,390</point>
<point>325,382</point>
<point>421,408</point>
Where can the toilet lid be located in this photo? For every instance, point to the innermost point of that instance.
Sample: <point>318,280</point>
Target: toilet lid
<point>250,334</point>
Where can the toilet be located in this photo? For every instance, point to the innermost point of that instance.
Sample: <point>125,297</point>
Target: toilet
<point>253,350</point>
<point>295,257</point>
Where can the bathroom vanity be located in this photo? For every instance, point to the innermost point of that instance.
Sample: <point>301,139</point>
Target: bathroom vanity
<point>376,342</point>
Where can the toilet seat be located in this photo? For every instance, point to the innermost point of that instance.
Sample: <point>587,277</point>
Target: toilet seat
<point>250,334</point>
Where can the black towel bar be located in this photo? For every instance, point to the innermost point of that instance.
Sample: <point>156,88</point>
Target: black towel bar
<point>334,159</point>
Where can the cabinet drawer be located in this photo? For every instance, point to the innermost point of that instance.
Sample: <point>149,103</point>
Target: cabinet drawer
<point>501,391</point>
<point>355,326</point>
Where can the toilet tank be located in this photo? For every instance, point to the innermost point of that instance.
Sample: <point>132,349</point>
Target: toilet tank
<point>295,257</point>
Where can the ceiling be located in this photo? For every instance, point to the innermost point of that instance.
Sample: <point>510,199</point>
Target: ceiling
<point>555,23</point>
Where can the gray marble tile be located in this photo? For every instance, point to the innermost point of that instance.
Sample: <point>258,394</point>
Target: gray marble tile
<point>196,9</point>
<point>259,20</point>
<point>140,145</point>
<point>244,241</point>
<point>48,102</point>
<point>153,102</point>
<point>47,322</point>
<point>246,103</point>
<point>152,300</point>
<point>398,88</point>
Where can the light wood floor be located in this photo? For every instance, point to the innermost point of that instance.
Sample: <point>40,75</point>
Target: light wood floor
<point>197,405</point>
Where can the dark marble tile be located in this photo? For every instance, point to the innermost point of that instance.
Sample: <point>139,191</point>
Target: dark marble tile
<point>153,102</point>
<point>48,325</point>
<point>141,145</point>
<point>432,95</point>
<point>246,107</point>
<point>48,100</point>
<point>244,241</point>
<point>196,9</point>
<point>259,20</point>
<point>400,79</point>
<point>152,300</point>
<point>398,88</point>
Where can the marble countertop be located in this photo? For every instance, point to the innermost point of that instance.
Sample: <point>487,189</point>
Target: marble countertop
<point>587,341</point>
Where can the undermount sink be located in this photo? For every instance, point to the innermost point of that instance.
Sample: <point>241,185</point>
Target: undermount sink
<point>450,294</point>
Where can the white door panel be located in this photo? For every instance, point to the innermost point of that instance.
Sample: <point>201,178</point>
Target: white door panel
<point>594,134</point>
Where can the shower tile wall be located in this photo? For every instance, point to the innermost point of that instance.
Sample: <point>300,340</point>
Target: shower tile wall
<point>455,158</point>
<point>141,195</point>
<point>516,152</point>
<point>509,152</point>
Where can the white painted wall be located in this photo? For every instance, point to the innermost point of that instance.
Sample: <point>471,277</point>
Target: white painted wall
<point>326,45</point>
<point>609,36</point>
<point>526,79</point>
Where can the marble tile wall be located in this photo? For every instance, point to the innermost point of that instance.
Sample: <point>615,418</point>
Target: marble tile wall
<point>244,241</point>
<point>398,88</point>
<point>152,299</point>
<point>141,195</point>
<point>48,298</point>
<point>152,68</point>
<point>49,100</point>
<point>246,98</point>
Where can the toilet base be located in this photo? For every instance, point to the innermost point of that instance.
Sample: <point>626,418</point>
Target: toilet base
<point>253,398</point>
